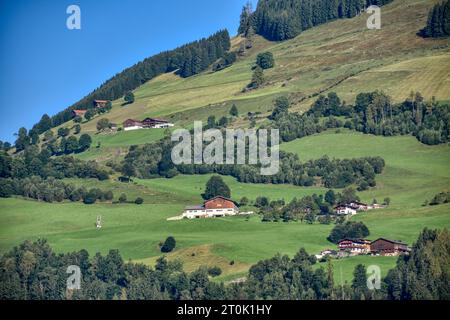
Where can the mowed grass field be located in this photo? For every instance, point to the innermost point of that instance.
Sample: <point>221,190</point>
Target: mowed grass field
<point>414,172</point>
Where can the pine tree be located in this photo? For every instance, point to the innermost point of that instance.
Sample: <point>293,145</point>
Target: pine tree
<point>216,187</point>
<point>23,140</point>
<point>234,111</point>
<point>446,15</point>
<point>257,78</point>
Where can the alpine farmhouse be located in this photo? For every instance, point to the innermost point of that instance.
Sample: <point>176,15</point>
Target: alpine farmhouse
<point>148,123</point>
<point>216,207</point>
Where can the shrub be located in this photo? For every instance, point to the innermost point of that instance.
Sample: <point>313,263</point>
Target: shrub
<point>243,201</point>
<point>214,271</point>
<point>139,200</point>
<point>265,60</point>
<point>91,197</point>
<point>123,198</point>
<point>168,245</point>
<point>108,195</point>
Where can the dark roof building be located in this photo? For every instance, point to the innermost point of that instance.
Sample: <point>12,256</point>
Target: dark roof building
<point>388,247</point>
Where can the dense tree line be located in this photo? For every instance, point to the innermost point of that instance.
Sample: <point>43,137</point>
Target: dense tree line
<point>307,209</point>
<point>281,20</point>
<point>51,190</point>
<point>424,274</point>
<point>34,271</point>
<point>40,163</point>
<point>438,23</point>
<point>373,113</point>
<point>153,160</point>
<point>187,60</point>
<point>349,229</point>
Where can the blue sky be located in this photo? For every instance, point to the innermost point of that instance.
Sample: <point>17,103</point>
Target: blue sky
<point>44,67</point>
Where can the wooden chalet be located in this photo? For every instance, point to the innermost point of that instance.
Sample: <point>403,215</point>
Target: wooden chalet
<point>354,246</point>
<point>78,113</point>
<point>99,104</point>
<point>386,247</point>
<point>147,123</point>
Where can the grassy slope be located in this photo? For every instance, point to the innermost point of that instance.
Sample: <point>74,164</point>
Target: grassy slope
<point>393,59</point>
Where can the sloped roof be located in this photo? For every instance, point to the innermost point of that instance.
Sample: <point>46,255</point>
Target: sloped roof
<point>221,197</point>
<point>391,241</point>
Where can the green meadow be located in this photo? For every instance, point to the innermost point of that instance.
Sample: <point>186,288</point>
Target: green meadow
<point>413,174</point>
<point>338,56</point>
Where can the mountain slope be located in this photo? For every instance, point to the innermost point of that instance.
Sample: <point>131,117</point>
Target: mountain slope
<point>342,56</point>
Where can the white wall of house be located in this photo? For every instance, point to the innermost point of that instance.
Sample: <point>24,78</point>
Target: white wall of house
<point>132,128</point>
<point>210,213</point>
<point>346,211</point>
<point>163,125</point>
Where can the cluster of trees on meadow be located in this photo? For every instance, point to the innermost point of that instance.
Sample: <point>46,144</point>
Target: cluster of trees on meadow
<point>373,113</point>
<point>264,60</point>
<point>33,162</point>
<point>438,23</point>
<point>33,271</point>
<point>51,190</point>
<point>281,20</point>
<point>307,209</point>
<point>154,160</point>
<point>26,138</point>
<point>66,145</point>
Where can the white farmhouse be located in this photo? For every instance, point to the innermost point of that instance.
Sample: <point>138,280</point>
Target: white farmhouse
<point>345,210</point>
<point>215,207</point>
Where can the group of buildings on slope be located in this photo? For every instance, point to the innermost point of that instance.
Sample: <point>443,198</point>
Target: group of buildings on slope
<point>354,207</point>
<point>129,124</point>
<point>353,247</point>
<point>221,207</point>
<point>147,123</point>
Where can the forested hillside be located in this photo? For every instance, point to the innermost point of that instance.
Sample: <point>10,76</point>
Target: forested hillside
<point>281,20</point>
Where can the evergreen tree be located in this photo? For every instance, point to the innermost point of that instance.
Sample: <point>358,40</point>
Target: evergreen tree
<point>438,23</point>
<point>129,97</point>
<point>23,140</point>
<point>265,60</point>
<point>85,142</point>
<point>234,111</point>
<point>216,187</point>
<point>257,78</point>
<point>168,245</point>
<point>245,19</point>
